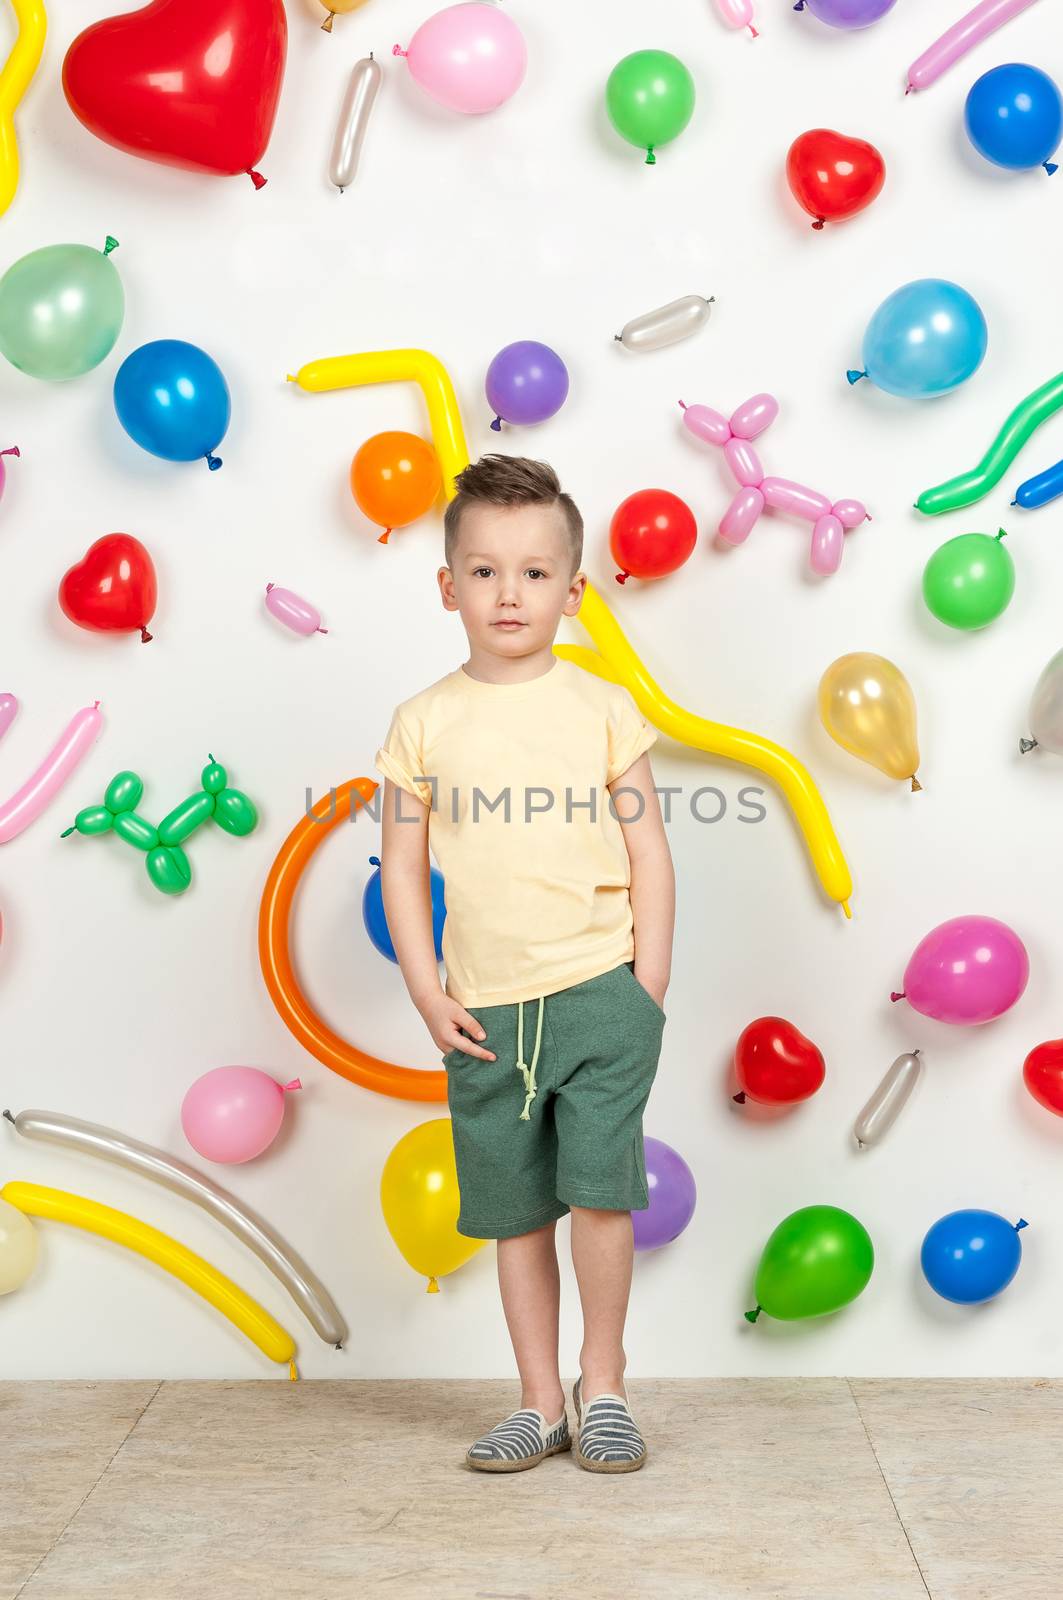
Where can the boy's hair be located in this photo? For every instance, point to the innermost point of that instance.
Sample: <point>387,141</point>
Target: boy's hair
<point>497,480</point>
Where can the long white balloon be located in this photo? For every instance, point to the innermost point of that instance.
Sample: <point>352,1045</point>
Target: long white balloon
<point>357,106</point>
<point>666,324</point>
<point>309,1294</point>
<point>885,1105</point>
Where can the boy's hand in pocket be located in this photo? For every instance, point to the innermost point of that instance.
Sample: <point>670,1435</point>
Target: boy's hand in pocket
<point>445,1018</point>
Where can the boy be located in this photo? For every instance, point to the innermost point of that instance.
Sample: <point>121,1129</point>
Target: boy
<point>551,1020</point>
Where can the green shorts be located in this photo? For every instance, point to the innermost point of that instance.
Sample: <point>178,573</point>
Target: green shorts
<point>564,1129</point>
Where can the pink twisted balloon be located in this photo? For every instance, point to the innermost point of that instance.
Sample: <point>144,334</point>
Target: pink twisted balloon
<point>830,523</point>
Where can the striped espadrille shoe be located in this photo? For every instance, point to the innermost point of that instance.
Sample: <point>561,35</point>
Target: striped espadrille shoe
<point>523,1440</point>
<point>607,1439</point>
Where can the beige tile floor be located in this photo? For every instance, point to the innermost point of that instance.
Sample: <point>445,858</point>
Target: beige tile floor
<point>778,1489</point>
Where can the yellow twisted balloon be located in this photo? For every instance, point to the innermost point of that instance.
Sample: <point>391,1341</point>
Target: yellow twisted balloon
<point>15,79</point>
<point>614,658</point>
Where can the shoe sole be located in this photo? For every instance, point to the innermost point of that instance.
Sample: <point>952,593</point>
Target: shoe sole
<point>600,1466</point>
<point>517,1466</point>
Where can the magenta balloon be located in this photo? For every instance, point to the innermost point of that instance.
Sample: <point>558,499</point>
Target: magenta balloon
<point>966,971</point>
<point>673,1196</point>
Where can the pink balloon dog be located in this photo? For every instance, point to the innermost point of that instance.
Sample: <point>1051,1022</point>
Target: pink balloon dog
<point>737,14</point>
<point>830,523</point>
<point>977,25</point>
<point>965,971</point>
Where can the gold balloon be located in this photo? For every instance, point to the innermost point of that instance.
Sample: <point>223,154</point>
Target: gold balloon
<point>419,1198</point>
<point>867,706</point>
<point>338,8</point>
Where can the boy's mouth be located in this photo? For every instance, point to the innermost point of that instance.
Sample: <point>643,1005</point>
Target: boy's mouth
<point>508,624</point>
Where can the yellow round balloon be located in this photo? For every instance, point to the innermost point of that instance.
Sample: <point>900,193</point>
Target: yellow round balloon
<point>867,706</point>
<point>419,1198</point>
<point>338,8</point>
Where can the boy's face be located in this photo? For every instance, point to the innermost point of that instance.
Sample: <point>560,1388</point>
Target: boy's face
<point>510,580</point>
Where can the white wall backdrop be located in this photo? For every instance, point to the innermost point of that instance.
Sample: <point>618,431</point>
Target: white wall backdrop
<point>461,235</point>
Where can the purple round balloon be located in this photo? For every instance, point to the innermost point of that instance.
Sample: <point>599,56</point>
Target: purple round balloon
<point>966,971</point>
<point>847,13</point>
<point>526,382</point>
<point>673,1196</point>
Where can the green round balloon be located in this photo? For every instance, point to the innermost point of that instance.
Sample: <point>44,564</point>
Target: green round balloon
<point>818,1258</point>
<point>61,310</point>
<point>650,98</point>
<point>969,581</point>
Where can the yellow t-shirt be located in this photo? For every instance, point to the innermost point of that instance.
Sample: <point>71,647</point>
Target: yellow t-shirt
<point>537,900</point>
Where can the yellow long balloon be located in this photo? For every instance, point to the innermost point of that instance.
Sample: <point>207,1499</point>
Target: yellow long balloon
<point>56,1205</point>
<point>614,659</point>
<point>15,79</point>
<point>397,366</point>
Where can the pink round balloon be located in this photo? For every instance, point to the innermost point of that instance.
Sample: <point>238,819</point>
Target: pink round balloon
<point>234,1113</point>
<point>470,57</point>
<point>966,971</point>
<point>13,451</point>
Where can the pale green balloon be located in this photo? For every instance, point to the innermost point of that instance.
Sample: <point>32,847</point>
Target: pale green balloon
<point>61,310</point>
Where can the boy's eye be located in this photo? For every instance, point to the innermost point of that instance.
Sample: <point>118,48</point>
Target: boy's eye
<point>537,571</point>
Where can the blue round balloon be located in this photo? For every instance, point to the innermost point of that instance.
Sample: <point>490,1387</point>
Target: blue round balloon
<point>173,400</point>
<point>970,1256</point>
<point>928,337</point>
<point>1014,117</point>
<point>376,923</point>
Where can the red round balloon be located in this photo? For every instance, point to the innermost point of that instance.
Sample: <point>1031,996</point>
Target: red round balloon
<point>833,176</point>
<point>652,533</point>
<point>1042,1072</point>
<point>191,83</point>
<point>775,1064</point>
<point>112,589</point>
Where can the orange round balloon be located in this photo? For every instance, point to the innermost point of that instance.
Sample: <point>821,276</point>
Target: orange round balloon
<point>395,478</point>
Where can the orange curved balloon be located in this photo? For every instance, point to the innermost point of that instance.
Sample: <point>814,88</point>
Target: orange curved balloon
<point>395,478</point>
<point>296,1012</point>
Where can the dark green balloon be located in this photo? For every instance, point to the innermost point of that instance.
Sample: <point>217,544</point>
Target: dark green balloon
<point>969,581</point>
<point>650,98</point>
<point>818,1258</point>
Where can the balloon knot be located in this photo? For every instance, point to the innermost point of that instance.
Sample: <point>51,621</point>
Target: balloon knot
<point>256,177</point>
<point>293,1372</point>
<point>1022,1223</point>
<point>384,536</point>
<point>67,832</point>
<point>682,405</point>
<point>296,1083</point>
<point>397,50</point>
<point>321,630</point>
<point>374,861</point>
<point>751,1316</point>
<point>433,1287</point>
<point>917,787</point>
<point>852,375</point>
<point>900,996</point>
<point>213,461</point>
<point>818,224</point>
<point>9,1117</point>
<point>651,159</point>
<point>269,588</point>
<point>622,577</point>
<point>145,636</point>
<point>12,450</point>
<point>800,6</point>
<point>753,31</point>
<point>909,88</point>
<point>496,426</point>
<point>109,244</point>
<point>1002,533</point>
<point>1026,745</point>
<point>739,1098</point>
<point>1050,167</point>
<point>326,26</point>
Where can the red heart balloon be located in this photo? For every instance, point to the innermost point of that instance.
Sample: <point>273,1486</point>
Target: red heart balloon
<point>113,588</point>
<point>652,533</point>
<point>833,176</point>
<point>1043,1073</point>
<point>192,83</point>
<point>775,1063</point>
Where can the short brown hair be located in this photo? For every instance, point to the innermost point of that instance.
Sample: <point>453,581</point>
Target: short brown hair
<point>497,480</point>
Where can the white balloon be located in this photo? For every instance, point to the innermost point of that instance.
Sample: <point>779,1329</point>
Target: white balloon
<point>1046,710</point>
<point>885,1105</point>
<point>18,1247</point>
<point>357,107</point>
<point>667,324</point>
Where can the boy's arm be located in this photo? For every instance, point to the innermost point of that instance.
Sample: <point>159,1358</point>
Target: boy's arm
<point>652,874</point>
<point>406,886</point>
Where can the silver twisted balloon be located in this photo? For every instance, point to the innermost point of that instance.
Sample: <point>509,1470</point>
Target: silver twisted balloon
<point>309,1294</point>
<point>354,119</point>
<point>885,1105</point>
<point>666,324</point>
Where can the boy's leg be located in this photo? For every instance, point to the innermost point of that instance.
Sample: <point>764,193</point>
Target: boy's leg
<point>603,1249</point>
<point>530,1284</point>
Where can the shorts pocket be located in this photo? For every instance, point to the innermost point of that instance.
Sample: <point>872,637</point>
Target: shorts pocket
<point>659,1011</point>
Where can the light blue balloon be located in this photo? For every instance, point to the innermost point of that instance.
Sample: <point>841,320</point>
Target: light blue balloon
<point>928,337</point>
<point>173,400</point>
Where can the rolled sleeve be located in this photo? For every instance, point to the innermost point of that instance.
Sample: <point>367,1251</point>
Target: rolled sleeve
<point>401,758</point>
<point>629,736</point>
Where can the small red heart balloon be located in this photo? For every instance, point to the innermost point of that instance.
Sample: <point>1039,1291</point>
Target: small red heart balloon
<point>1043,1074</point>
<point>652,533</point>
<point>113,588</point>
<point>191,83</point>
<point>775,1063</point>
<point>833,176</point>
